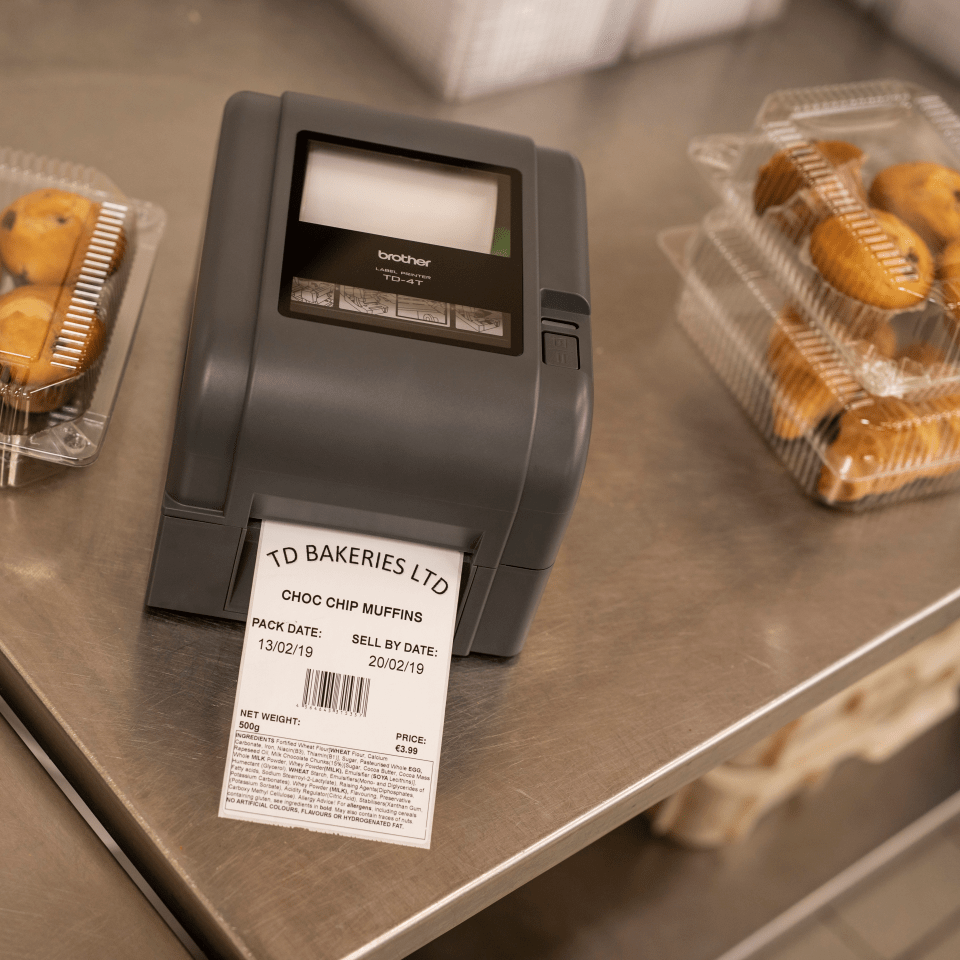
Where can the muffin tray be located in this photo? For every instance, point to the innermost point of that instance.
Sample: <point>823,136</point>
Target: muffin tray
<point>851,195</point>
<point>76,260</point>
<point>846,446</point>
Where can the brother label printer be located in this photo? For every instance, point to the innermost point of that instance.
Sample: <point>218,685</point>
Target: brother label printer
<point>391,335</point>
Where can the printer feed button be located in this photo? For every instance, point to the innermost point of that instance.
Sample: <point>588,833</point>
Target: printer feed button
<point>560,350</point>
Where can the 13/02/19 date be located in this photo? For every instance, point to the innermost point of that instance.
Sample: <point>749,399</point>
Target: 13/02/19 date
<point>392,663</point>
<point>287,647</point>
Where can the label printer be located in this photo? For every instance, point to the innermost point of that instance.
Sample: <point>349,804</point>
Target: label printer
<point>391,335</point>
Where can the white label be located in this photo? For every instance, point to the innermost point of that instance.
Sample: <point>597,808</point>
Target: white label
<point>343,684</point>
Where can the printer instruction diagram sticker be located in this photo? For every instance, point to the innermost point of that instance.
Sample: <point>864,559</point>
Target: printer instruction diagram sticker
<point>343,682</point>
<point>396,306</point>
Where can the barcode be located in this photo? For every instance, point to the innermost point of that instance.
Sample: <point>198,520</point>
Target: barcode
<point>336,692</point>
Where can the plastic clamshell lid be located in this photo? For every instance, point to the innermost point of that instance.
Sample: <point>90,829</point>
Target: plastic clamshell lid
<point>80,310</point>
<point>852,196</point>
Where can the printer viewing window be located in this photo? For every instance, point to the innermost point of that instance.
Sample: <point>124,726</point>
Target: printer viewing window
<point>405,243</point>
<point>408,199</point>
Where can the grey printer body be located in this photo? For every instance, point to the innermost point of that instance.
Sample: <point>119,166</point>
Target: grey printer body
<point>395,387</point>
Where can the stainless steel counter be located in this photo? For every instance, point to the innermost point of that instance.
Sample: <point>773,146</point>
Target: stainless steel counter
<point>699,600</point>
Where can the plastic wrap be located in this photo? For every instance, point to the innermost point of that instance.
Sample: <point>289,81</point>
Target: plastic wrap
<point>852,196</point>
<point>77,256</point>
<point>826,288</point>
<point>844,445</point>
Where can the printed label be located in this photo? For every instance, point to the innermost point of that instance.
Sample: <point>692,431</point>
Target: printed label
<point>343,684</point>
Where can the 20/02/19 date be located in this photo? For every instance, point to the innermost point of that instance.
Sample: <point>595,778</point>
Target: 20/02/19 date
<point>286,647</point>
<point>392,663</point>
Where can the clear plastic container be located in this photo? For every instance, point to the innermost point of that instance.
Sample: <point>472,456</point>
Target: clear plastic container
<point>59,376</point>
<point>846,446</point>
<point>852,197</point>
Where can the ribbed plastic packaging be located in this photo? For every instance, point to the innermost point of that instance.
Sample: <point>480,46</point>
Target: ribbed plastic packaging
<point>825,290</point>
<point>93,289</point>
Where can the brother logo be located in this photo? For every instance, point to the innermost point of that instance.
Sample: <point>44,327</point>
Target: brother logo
<point>403,258</point>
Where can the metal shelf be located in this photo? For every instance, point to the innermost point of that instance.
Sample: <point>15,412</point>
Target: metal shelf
<point>634,894</point>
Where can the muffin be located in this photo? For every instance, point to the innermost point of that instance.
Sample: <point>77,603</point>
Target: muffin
<point>924,195</point>
<point>883,443</point>
<point>814,180</point>
<point>45,235</point>
<point>874,257</point>
<point>801,397</point>
<point>948,272</point>
<point>42,350</point>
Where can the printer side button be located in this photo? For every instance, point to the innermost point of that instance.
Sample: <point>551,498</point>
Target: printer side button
<point>561,350</point>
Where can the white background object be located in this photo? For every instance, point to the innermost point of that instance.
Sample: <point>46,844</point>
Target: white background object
<point>467,48</point>
<point>872,720</point>
<point>662,23</point>
<point>932,26</point>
